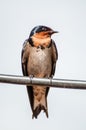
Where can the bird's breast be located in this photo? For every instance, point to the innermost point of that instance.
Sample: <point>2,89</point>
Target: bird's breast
<point>40,62</point>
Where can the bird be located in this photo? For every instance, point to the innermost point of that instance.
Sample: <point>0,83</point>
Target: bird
<point>38,58</point>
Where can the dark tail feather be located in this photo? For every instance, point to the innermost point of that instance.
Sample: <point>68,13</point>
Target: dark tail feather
<point>30,95</point>
<point>38,110</point>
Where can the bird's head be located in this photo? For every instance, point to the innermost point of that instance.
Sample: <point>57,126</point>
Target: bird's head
<point>41,36</point>
<point>42,31</point>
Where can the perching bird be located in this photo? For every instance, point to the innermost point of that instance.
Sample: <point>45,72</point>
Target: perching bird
<point>39,56</point>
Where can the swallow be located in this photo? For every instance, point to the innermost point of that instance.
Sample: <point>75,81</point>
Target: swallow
<point>39,56</point>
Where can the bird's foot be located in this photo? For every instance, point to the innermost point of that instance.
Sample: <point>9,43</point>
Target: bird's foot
<point>50,77</point>
<point>31,77</point>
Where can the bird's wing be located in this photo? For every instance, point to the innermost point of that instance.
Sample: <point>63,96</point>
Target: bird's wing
<point>24,57</point>
<point>24,60</point>
<point>54,57</point>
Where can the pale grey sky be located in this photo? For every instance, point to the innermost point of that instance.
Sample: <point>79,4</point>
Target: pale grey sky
<point>67,108</point>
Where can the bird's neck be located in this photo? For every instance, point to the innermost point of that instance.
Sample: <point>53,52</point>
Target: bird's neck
<point>44,42</point>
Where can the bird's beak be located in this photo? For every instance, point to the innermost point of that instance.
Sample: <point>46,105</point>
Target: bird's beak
<point>52,32</point>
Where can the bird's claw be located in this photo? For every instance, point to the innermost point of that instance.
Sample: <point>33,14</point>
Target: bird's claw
<point>31,76</point>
